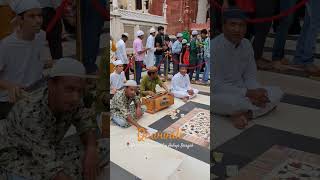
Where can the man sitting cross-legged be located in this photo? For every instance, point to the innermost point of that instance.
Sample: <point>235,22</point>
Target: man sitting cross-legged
<point>125,106</point>
<point>117,78</point>
<point>181,86</point>
<point>236,91</point>
<point>150,81</point>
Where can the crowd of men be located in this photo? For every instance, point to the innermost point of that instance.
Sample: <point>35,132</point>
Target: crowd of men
<point>185,56</point>
<point>160,51</point>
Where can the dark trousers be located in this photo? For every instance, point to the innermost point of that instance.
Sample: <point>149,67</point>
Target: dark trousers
<point>138,71</point>
<point>5,108</point>
<point>127,71</point>
<point>92,24</point>
<point>176,62</point>
<point>263,9</point>
<point>54,36</point>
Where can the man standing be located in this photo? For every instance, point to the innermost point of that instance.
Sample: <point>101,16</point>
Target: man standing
<point>150,81</point>
<point>125,106</point>
<point>139,55</point>
<point>92,24</point>
<point>176,51</point>
<point>181,87</point>
<point>20,64</point>
<point>159,43</point>
<point>32,143</point>
<point>206,59</point>
<point>193,53</point>
<point>121,52</point>
<point>54,37</point>
<point>149,59</point>
<point>201,47</point>
<point>307,40</point>
<point>236,92</point>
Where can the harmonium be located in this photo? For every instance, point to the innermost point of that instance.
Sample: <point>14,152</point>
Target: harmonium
<point>158,102</point>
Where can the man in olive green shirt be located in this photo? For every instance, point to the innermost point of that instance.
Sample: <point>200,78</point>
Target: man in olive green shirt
<point>150,81</point>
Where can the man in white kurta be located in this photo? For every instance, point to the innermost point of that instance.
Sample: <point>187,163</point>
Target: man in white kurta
<point>117,78</point>
<point>236,91</point>
<point>150,58</point>
<point>121,53</point>
<point>181,86</point>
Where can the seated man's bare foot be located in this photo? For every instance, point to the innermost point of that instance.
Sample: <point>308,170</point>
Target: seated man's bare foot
<point>185,99</point>
<point>240,120</point>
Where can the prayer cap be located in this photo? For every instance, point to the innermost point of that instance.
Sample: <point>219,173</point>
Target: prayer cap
<point>140,33</point>
<point>153,69</point>
<point>68,67</point>
<point>179,35</point>
<point>131,83</point>
<point>20,6</point>
<point>118,62</point>
<point>184,41</point>
<point>152,30</point>
<point>234,13</point>
<point>194,32</point>
<point>125,34</point>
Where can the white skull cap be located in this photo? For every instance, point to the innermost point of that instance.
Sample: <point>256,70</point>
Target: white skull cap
<point>68,67</point>
<point>152,30</point>
<point>131,83</point>
<point>20,6</point>
<point>194,32</point>
<point>140,33</point>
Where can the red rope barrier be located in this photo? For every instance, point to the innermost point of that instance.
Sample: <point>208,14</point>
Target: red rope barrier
<point>272,18</point>
<point>58,15</point>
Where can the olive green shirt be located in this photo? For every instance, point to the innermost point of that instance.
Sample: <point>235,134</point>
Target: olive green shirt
<point>149,85</point>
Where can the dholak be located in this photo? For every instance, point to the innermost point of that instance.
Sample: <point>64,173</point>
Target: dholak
<point>158,102</point>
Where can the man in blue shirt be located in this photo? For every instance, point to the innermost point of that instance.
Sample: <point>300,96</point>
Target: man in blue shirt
<point>176,51</point>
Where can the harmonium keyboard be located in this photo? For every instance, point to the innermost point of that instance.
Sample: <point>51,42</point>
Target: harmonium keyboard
<point>158,102</point>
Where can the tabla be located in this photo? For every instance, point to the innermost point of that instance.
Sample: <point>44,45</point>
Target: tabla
<point>158,102</point>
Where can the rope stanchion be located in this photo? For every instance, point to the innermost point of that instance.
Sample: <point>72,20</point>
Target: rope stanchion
<point>272,18</point>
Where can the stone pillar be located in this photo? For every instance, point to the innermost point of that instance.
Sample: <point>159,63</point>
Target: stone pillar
<point>115,4</point>
<point>202,11</point>
<point>130,5</point>
<point>164,13</point>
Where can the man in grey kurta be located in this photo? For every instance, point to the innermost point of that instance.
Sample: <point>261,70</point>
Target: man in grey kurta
<point>236,91</point>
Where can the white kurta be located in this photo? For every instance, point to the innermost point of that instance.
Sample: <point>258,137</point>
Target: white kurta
<point>234,72</point>
<point>20,61</point>
<point>121,52</point>
<point>180,85</point>
<point>149,59</point>
<point>117,80</point>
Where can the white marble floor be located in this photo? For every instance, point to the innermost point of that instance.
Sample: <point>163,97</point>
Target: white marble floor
<point>165,161</point>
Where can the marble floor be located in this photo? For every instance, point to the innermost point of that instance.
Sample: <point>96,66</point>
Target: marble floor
<point>297,119</point>
<point>166,162</point>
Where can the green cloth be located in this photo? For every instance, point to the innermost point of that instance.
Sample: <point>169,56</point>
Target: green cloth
<point>149,85</point>
<point>193,52</point>
<point>186,35</point>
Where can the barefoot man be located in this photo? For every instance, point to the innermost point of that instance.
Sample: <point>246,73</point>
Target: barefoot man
<point>236,92</point>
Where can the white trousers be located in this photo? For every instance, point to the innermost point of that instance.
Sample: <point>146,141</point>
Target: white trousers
<point>182,94</point>
<point>227,104</point>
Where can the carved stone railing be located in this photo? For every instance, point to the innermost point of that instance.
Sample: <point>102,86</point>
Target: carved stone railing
<point>139,16</point>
